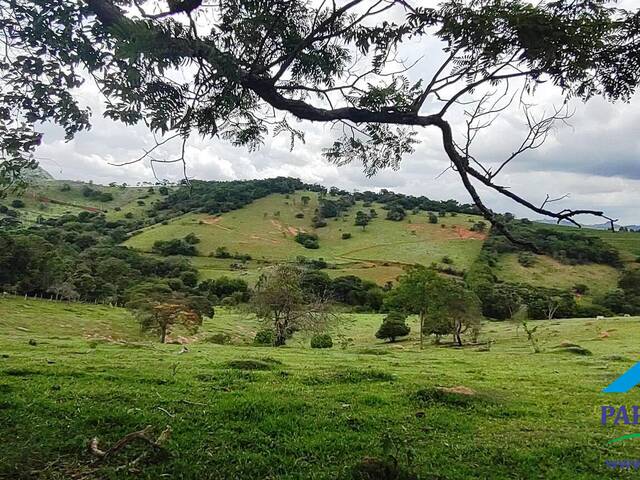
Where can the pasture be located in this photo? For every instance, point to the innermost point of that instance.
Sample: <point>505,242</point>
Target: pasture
<point>72,372</point>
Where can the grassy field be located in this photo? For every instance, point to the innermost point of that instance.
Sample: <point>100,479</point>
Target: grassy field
<point>238,411</point>
<point>548,272</point>
<point>266,229</point>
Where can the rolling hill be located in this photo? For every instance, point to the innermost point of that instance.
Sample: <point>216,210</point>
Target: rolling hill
<point>266,228</point>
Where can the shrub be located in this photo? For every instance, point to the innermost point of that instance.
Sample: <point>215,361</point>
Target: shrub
<point>307,240</point>
<point>346,236</point>
<point>299,215</point>
<point>192,239</point>
<point>321,341</point>
<point>580,288</point>
<point>526,259</point>
<point>447,260</point>
<point>218,339</point>
<point>65,187</point>
<point>433,218</point>
<point>264,337</point>
<point>318,222</point>
<point>128,215</point>
<point>17,203</point>
<point>393,326</point>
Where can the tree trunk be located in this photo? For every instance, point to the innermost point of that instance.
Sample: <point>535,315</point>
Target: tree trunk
<point>281,333</point>
<point>163,334</point>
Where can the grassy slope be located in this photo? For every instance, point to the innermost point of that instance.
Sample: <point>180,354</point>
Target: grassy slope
<point>315,413</point>
<point>549,272</point>
<point>258,231</point>
<point>36,200</point>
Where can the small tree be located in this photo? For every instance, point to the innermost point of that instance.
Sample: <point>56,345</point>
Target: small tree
<point>452,309</point>
<point>362,219</point>
<point>433,218</point>
<point>305,200</point>
<point>393,326</point>
<point>281,301</point>
<point>411,295</point>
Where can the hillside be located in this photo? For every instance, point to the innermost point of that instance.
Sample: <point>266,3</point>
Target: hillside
<point>266,230</point>
<point>238,411</point>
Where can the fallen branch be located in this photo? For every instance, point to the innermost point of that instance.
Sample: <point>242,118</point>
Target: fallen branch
<point>156,445</point>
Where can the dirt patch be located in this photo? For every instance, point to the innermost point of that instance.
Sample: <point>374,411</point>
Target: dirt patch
<point>212,220</point>
<point>466,234</point>
<point>460,390</point>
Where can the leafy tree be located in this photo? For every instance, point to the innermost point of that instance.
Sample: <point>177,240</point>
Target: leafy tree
<point>501,302</point>
<point>299,58</point>
<point>394,325</point>
<point>307,240</point>
<point>159,308</point>
<point>174,246</point>
<point>452,308</point>
<point>412,294</point>
<point>281,302</point>
<point>433,218</point>
<point>322,340</point>
<point>362,219</point>
<point>305,200</point>
<point>396,213</point>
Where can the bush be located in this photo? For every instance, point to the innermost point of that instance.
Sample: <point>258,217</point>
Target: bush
<point>218,339</point>
<point>346,236</point>
<point>393,326</point>
<point>526,259</point>
<point>300,215</point>
<point>17,203</point>
<point>265,338</point>
<point>447,260</point>
<point>318,222</point>
<point>580,288</point>
<point>321,341</point>
<point>433,218</point>
<point>307,240</point>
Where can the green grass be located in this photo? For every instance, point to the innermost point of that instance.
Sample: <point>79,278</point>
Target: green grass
<point>40,200</point>
<point>266,229</point>
<point>238,411</point>
<point>547,272</point>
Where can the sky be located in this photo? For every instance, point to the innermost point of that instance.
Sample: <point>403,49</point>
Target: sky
<point>594,161</point>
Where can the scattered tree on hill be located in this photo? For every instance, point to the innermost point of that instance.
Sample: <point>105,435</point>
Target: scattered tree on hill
<point>307,240</point>
<point>174,246</point>
<point>393,326</point>
<point>433,218</point>
<point>305,200</point>
<point>362,219</point>
<point>396,213</point>
<point>281,302</point>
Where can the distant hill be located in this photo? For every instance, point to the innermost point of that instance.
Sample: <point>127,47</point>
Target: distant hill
<point>38,174</point>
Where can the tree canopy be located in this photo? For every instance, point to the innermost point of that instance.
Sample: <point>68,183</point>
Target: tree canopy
<point>221,69</point>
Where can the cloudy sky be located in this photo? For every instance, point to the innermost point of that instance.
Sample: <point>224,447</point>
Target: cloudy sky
<point>595,160</point>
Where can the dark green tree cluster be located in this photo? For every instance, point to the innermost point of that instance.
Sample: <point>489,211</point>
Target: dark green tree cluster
<point>176,246</point>
<point>79,260</point>
<point>393,326</point>
<point>307,240</point>
<point>98,195</point>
